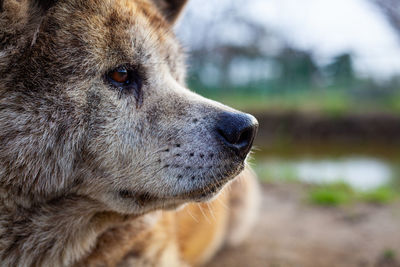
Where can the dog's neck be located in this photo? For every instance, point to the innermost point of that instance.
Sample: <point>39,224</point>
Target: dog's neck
<point>60,232</point>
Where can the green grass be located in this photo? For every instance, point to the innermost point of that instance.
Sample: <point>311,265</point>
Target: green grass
<point>331,194</point>
<point>340,194</point>
<point>389,254</point>
<point>382,195</point>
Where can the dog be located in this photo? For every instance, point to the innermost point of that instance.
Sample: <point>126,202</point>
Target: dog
<point>106,158</point>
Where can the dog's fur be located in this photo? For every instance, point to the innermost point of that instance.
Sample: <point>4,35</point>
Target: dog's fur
<point>88,172</point>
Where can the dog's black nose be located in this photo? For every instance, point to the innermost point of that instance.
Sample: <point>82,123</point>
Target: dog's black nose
<point>237,131</point>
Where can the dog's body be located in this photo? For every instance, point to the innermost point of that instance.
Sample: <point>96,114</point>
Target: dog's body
<point>99,139</point>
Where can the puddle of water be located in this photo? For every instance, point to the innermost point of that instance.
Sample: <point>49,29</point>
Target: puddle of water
<point>362,173</point>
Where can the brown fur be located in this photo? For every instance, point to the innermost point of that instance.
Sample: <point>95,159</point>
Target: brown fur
<point>88,172</point>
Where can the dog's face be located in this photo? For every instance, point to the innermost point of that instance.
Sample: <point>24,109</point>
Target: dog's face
<point>93,102</point>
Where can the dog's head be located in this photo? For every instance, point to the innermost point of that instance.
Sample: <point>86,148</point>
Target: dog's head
<point>93,102</point>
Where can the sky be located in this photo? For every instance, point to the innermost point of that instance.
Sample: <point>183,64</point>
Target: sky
<point>326,27</point>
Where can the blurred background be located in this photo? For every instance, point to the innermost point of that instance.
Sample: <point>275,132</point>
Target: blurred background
<point>323,79</point>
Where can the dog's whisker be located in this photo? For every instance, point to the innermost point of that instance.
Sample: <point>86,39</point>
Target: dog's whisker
<point>191,215</point>
<point>204,215</point>
<point>211,211</point>
<point>224,205</point>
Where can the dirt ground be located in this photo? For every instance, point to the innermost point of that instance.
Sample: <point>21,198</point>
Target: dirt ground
<point>291,232</point>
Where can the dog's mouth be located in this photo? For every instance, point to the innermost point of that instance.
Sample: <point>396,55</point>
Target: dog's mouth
<point>199,194</point>
<point>202,193</point>
<point>202,189</point>
<point>209,187</point>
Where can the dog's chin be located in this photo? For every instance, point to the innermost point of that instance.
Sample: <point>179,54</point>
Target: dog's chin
<point>147,201</point>
<point>208,190</point>
<point>204,193</point>
<point>173,202</point>
<point>143,202</point>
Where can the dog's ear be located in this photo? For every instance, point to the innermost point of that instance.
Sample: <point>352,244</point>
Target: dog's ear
<point>171,9</point>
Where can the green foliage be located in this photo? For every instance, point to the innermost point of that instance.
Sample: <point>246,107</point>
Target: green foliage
<point>387,258</point>
<point>331,194</point>
<point>340,193</point>
<point>389,254</point>
<point>297,67</point>
<point>341,69</point>
<point>382,195</point>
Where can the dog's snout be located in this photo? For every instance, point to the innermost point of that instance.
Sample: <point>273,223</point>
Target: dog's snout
<point>237,130</point>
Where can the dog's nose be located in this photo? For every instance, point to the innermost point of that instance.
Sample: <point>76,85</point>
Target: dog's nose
<point>237,130</point>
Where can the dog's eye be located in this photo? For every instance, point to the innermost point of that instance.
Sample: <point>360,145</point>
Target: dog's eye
<point>125,79</point>
<point>119,75</point>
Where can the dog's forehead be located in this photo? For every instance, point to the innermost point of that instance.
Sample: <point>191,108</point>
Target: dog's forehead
<point>117,29</point>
